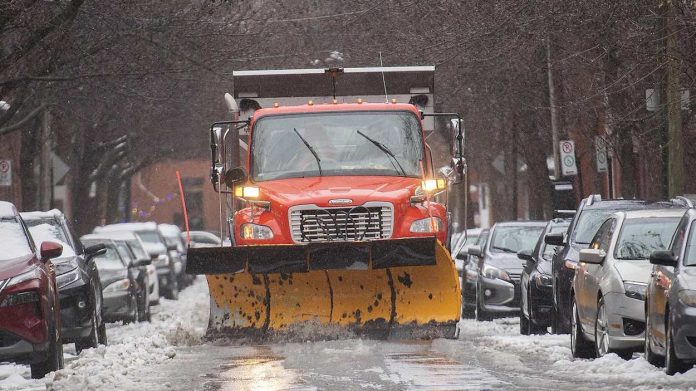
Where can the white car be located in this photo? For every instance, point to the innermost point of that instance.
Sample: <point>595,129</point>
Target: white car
<point>608,293</point>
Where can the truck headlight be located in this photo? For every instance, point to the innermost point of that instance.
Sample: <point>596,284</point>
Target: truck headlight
<point>118,286</point>
<point>493,272</point>
<point>687,297</point>
<point>635,290</point>
<point>255,231</point>
<point>543,279</point>
<point>428,224</point>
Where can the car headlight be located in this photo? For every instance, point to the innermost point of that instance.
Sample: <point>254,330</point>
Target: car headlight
<point>255,231</point>
<point>635,290</point>
<point>543,279</point>
<point>161,260</point>
<point>493,272</point>
<point>118,286</point>
<point>687,297</point>
<point>428,224</point>
<point>33,274</point>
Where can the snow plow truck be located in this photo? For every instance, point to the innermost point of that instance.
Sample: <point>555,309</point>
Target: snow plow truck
<point>334,212</point>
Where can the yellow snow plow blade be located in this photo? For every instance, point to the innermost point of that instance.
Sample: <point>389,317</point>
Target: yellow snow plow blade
<point>404,288</point>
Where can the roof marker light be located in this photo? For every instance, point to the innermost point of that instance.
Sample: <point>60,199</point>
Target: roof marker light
<point>393,101</point>
<point>310,103</point>
<point>360,101</point>
<point>335,101</point>
<point>276,105</point>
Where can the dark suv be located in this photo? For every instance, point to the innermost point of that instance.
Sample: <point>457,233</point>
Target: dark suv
<point>77,279</point>
<point>536,296</point>
<point>591,213</point>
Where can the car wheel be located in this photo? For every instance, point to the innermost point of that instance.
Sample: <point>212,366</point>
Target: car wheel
<point>652,357</point>
<point>524,324</point>
<point>133,318</point>
<point>480,314</point>
<point>580,347</point>
<point>92,340</point>
<point>468,311</point>
<point>54,356</point>
<point>672,363</point>
<point>146,315</point>
<point>101,331</point>
<point>602,329</point>
<point>172,292</point>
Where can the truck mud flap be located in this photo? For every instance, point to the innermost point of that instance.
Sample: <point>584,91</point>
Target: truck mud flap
<point>399,288</point>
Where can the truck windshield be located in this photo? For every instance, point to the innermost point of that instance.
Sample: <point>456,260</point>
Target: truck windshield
<point>355,143</point>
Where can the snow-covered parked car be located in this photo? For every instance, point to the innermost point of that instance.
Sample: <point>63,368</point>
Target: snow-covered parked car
<point>609,287</point>
<point>77,278</point>
<point>29,305</point>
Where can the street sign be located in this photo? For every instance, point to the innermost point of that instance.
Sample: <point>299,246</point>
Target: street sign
<point>5,173</point>
<point>601,154</point>
<point>568,166</point>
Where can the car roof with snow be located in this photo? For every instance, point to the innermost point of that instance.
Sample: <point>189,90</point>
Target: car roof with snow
<point>7,209</point>
<point>39,215</point>
<point>115,235</point>
<point>148,226</point>
<point>169,230</point>
<point>647,213</point>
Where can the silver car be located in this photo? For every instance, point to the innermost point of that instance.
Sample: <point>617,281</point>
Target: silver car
<point>608,298</point>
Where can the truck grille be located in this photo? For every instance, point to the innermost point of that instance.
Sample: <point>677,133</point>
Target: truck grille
<point>314,224</point>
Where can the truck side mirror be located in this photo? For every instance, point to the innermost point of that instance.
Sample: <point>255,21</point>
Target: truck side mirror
<point>234,175</point>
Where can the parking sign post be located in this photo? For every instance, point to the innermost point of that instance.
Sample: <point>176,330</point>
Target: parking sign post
<point>568,166</point>
<point>5,173</point>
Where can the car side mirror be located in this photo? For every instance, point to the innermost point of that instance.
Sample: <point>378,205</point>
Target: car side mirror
<point>663,258</point>
<point>94,250</point>
<point>234,175</point>
<point>525,255</point>
<point>554,239</point>
<point>593,256</point>
<point>141,262</point>
<point>50,250</point>
<point>475,251</point>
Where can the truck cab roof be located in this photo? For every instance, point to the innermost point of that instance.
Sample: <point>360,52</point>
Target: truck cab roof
<point>333,107</point>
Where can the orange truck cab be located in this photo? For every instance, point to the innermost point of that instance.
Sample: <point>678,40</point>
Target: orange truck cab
<point>334,168</point>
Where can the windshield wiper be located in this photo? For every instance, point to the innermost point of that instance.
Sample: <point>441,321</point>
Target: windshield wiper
<point>504,249</point>
<point>386,150</point>
<point>310,150</point>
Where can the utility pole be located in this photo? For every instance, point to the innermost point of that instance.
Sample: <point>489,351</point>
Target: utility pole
<point>675,163</point>
<point>554,113</point>
<point>45,182</point>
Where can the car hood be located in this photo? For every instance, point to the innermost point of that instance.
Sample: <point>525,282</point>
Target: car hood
<point>506,261</point>
<point>320,190</point>
<point>15,266</point>
<point>634,270</point>
<point>107,276</point>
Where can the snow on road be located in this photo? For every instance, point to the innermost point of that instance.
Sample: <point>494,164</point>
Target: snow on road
<point>169,354</point>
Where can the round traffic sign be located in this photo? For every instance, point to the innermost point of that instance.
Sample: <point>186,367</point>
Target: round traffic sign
<point>4,166</point>
<point>569,161</point>
<point>567,147</point>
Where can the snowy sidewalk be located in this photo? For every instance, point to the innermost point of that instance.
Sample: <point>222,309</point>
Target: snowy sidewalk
<point>131,347</point>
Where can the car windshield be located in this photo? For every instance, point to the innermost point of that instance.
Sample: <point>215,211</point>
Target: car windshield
<point>588,224</point>
<point>49,230</point>
<point>13,240</point>
<point>149,236</point>
<point>639,237</point>
<point>323,144</point>
<point>109,260</point>
<point>515,238</point>
<point>137,249</point>
<point>547,251</point>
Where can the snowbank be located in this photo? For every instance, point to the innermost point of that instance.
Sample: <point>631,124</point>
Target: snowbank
<point>175,323</point>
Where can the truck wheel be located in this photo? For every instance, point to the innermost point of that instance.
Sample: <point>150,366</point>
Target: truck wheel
<point>54,356</point>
